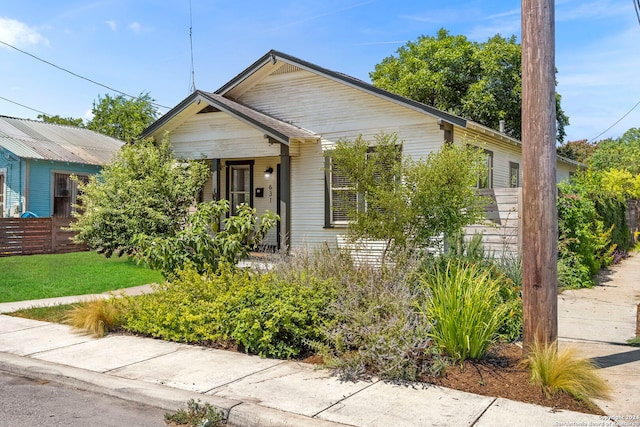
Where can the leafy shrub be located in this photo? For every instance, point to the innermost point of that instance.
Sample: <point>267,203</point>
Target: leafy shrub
<point>374,325</point>
<point>143,190</point>
<point>205,241</point>
<point>196,415</point>
<point>556,370</point>
<point>572,273</point>
<point>378,328</point>
<point>97,316</point>
<point>259,312</point>
<point>581,232</point>
<point>465,307</point>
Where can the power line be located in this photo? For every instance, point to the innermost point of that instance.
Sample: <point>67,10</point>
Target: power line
<point>617,121</point>
<point>636,5</point>
<point>78,75</point>
<point>24,106</point>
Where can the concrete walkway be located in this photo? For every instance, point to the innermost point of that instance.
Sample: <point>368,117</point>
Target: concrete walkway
<point>264,392</point>
<point>598,322</point>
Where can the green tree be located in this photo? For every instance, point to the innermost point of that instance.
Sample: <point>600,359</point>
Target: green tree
<point>121,117</point>
<point>580,150</point>
<point>68,121</point>
<point>622,153</point>
<point>479,81</point>
<point>144,190</point>
<point>407,203</point>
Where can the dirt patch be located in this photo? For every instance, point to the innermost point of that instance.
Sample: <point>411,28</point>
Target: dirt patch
<point>502,374</point>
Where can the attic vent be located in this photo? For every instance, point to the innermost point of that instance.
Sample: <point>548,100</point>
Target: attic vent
<point>287,68</point>
<point>208,109</point>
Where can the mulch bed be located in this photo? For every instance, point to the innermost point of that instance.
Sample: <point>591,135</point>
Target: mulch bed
<point>502,374</point>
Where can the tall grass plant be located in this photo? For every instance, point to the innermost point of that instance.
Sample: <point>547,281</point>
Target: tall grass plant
<point>465,306</point>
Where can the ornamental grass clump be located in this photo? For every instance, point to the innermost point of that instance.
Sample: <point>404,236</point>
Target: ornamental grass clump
<point>96,316</point>
<point>562,370</point>
<point>464,305</point>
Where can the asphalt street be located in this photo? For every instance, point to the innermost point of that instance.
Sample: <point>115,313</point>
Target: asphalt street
<point>29,403</point>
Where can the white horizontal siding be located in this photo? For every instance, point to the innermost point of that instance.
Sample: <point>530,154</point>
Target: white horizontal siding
<point>503,153</point>
<point>307,200</point>
<point>337,111</point>
<point>218,135</point>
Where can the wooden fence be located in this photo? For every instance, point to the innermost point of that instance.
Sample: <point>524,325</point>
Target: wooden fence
<point>30,236</point>
<point>500,232</point>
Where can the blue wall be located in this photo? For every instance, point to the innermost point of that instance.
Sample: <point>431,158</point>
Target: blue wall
<point>38,183</point>
<point>12,168</point>
<point>41,182</point>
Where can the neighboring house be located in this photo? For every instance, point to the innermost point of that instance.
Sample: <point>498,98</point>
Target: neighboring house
<point>266,132</point>
<point>37,160</point>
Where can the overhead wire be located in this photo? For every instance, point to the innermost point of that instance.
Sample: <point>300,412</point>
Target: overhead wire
<point>77,75</point>
<point>617,121</point>
<point>25,106</point>
<point>636,6</point>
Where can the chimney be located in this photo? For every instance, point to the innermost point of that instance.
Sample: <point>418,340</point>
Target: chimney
<point>501,126</point>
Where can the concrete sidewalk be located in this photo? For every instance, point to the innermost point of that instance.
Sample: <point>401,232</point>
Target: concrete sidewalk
<point>598,322</point>
<point>265,392</point>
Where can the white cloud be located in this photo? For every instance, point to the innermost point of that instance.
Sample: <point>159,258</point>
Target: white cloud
<point>135,27</point>
<point>88,115</point>
<point>112,25</point>
<point>19,34</point>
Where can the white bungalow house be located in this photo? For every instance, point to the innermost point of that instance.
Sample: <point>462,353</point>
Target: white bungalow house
<point>265,131</point>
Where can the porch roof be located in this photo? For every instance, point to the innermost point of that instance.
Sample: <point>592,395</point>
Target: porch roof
<point>279,130</point>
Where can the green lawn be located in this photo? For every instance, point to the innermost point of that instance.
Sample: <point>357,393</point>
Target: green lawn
<point>46,276</point>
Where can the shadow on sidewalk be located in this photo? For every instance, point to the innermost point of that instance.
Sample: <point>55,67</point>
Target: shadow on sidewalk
<point>617,359</point>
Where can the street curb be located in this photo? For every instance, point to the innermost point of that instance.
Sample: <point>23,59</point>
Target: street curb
<point>236,413</point>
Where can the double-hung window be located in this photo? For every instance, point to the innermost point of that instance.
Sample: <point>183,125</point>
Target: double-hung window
<point>514,175</point>
<point>341,196</point>
<point>485,180</point>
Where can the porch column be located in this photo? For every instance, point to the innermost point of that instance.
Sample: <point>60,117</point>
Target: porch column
<point>284,196</point>
<point>215,179</point>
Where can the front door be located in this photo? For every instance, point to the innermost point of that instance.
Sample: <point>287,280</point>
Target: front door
<point>240,184</point>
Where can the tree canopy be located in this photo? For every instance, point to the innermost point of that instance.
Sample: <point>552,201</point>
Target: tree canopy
<point>408,203</point>
<point>121,117</point>
<point>622,153</point>
<point>478,81</point>
<point>68,121</point>
<point>580,150</point>
<point>144,190</point>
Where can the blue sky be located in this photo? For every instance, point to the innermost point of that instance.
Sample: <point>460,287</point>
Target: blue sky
<point>138,46</point>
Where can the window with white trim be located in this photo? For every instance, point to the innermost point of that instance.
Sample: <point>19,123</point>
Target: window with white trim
<point>341,197</point>
<point>514,175</point>
<point>486,180</point>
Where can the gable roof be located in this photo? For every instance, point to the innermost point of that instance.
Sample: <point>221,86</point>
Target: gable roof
<point>277,129</point>
<point>270,61</point>
<point>32,139</point>
<point>285,132</point>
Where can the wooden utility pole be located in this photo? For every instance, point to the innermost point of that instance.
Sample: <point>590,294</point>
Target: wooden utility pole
<point>539,191</point>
